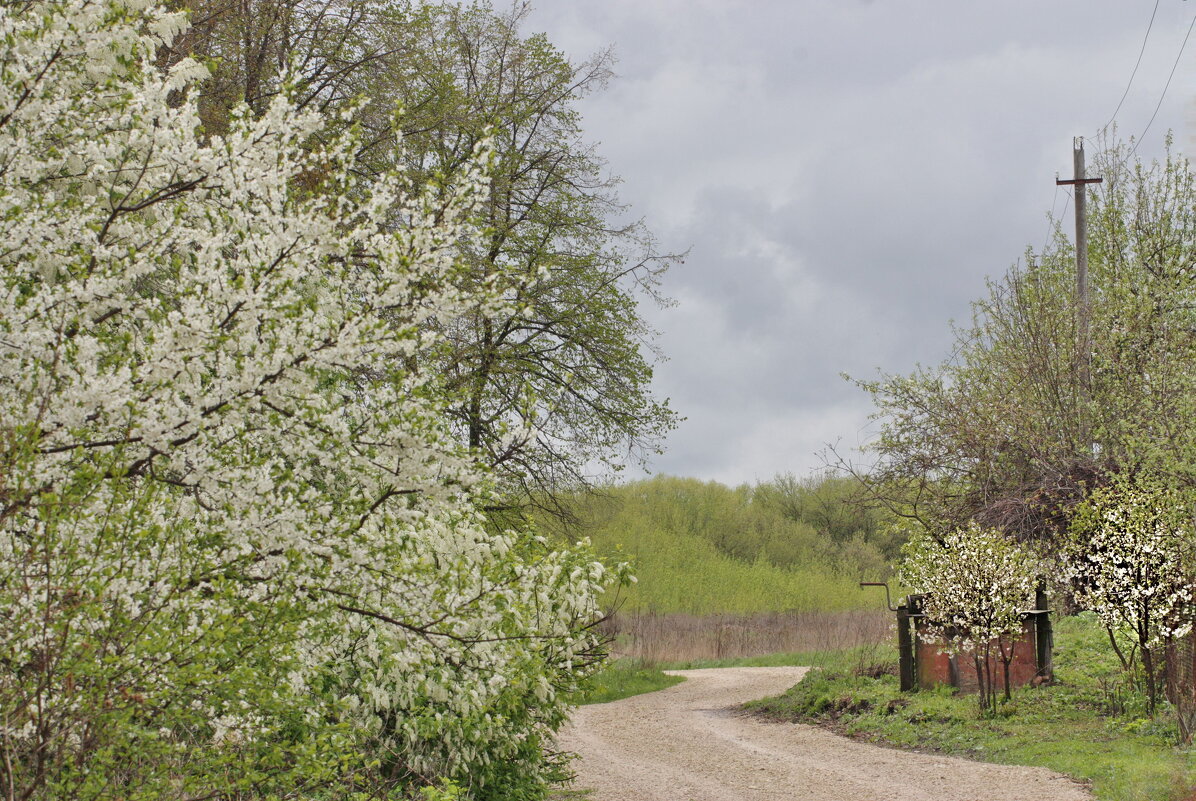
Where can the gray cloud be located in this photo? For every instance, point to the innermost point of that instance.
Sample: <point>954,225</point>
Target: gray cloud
<point>846,175</point>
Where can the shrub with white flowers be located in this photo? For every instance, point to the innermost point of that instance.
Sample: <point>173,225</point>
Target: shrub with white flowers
<point>236,559</point>
<point>976,583</point>
<point>1129,558</point>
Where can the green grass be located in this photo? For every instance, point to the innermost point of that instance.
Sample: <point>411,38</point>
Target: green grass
<point>1090,725</point>
<point>624,678</point>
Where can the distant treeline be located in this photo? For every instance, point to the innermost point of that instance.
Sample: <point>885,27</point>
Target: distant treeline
<point>703,548</point>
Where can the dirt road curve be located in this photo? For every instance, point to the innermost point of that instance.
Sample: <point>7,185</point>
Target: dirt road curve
<point>686,743</point>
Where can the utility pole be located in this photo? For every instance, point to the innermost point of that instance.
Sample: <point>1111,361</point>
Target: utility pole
<point>1083,308</point>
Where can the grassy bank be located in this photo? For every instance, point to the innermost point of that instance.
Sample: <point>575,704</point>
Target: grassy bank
<point>1091,724</point>
<point>624,678</point>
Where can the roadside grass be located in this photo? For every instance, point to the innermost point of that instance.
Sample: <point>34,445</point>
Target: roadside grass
<point>629,675</point>
<point>623,678</point>
<point>1091,724</point>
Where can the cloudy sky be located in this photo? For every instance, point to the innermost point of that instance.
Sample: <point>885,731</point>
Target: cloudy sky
<point>845,174</point>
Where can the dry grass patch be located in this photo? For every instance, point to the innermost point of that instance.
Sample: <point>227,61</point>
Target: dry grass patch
<point>665,638</point>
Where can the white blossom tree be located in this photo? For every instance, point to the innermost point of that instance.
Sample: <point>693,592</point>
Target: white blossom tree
<point>976,583</point>
<point>234,559</point>
<point>1128,556</point>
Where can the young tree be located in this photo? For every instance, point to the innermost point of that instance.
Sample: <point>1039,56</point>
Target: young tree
<point>235,558</point>
<point>975,584</point>
<point>1129,558</point>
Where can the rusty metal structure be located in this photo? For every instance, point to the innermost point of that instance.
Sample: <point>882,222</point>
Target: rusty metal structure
<point>923,663</point>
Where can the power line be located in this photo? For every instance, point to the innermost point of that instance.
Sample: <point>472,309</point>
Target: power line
<point>1124,95</point>
<point>1166,86</point>
<point>1050,222</point>
<point>1137,63</point>
<point>1062,214</point>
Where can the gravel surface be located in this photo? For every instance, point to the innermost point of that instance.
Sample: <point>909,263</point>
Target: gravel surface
<point>687,743</point>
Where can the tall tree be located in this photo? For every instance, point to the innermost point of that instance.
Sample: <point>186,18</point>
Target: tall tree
<point>555,386</point>
<point>1007,431</point>
<point>562,385</point>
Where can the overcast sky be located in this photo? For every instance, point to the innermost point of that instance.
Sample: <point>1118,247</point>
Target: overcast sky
<point>845,175</point>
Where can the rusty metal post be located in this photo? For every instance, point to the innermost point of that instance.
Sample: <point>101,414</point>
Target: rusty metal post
<point>1044,637</point>
<point>905,651</point>
<point>906,654</point>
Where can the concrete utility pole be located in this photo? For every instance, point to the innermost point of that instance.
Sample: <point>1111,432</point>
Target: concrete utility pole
<point>1083,308</point>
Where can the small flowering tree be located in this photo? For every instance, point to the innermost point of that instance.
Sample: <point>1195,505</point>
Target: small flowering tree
<point>1128,556</point>
<point>236,558</point>
<point>976,583</point>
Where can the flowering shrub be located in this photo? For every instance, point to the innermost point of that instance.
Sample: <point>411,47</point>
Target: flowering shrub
<point>236,559</point>
<point>975,583</point>
<point>1128,556</point>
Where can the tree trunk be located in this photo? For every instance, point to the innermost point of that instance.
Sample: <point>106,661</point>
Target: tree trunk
<point>1147,658</point>
<point>980,681</point>
<point>1151,690</point>
<point>1126,664</point>
<point>988,677</point>
<point>1006,658</point>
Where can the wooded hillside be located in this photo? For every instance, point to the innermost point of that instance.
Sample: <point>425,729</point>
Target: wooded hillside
<point>704,548</point>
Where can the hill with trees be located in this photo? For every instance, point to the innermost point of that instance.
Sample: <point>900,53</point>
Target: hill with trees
<point>705,548</point>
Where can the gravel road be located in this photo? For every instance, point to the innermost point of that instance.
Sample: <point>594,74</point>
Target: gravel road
<point>687,743</point>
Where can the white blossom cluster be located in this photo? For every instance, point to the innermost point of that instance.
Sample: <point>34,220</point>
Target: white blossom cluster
<point>1129,558</point>
<point>976,584</point>
<point>223,536</point>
